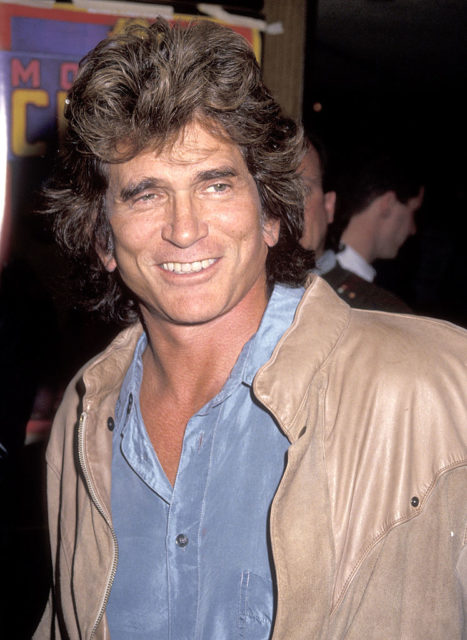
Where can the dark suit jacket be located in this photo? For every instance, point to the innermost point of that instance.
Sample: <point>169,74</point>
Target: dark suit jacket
<point>361,294</point>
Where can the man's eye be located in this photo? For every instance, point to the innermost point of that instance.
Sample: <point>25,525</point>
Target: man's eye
<point>218,187</point>
<point>146,198</point>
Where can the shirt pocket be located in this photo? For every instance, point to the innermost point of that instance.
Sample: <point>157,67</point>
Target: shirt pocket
<point>256,607</point>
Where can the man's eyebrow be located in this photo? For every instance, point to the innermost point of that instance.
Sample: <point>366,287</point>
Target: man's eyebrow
<point>135,188</point>
<point>215,174</point>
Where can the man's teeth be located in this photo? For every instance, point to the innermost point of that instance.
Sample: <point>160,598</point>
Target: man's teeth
<point>187,267</point>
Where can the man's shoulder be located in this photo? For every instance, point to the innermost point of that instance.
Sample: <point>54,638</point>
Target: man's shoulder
<point>402,353</point>
<point>370,335</point>
<point>354,350</point>
<point>361,294</point>
<point>405,373</point>
<point>326,317</point>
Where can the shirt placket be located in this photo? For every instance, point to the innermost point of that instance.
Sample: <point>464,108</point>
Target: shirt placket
<point>184,525</point>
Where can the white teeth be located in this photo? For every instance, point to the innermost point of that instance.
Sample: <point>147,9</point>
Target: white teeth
<point>187,267</point>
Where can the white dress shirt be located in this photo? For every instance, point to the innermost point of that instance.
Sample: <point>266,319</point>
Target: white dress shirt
<point>352,261</point>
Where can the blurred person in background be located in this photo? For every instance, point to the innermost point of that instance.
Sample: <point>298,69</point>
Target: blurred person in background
<point>319,211</point>
<point>379,191</point>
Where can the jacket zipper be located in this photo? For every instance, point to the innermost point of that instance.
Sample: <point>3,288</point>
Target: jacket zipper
<point>82,460</point>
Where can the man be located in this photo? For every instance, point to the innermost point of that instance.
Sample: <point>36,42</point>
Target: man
<point>249,460</point>
<point>378,193</point>
<point>319,207</point>
<point>318,214</point>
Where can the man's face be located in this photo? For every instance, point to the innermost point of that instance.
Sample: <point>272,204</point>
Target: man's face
<point>319,206</point>
<point>189,240</point>
<point>397,225</point>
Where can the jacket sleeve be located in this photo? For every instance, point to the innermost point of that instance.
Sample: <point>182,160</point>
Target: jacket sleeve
<point>48,628</point>
<point>462,575</point>
<point>59,447</point>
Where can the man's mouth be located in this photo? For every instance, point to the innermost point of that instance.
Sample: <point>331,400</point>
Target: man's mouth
<point>187,267</point>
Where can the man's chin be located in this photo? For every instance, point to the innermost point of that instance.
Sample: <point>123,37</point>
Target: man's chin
<point>193,316</point>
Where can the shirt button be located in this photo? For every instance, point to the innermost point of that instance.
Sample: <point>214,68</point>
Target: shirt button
<point>181,540</point>
<point>110,424</point>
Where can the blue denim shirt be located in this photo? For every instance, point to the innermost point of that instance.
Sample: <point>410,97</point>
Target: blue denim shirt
<point>194,559</point>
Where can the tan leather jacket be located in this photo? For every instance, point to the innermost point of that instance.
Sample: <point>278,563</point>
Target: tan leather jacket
<point>368,525</point>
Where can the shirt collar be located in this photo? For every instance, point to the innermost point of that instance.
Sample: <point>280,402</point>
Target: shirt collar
<point>276,320</point>
<point>352,261</point>
<point>325,263</point>
<point>131,383</point>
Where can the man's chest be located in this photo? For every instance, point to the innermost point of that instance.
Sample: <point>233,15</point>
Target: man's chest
<point>206,536</point>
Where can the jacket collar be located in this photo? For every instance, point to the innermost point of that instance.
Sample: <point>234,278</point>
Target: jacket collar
<point>305,346</point>
<point>105,373</point>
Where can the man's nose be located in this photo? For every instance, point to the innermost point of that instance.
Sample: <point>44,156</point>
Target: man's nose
<point>184,225</point>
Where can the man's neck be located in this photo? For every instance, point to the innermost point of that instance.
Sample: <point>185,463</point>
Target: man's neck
<point>191,363</point>
<point>363,230</point>
<point>360,242</point>
<point>186,366</point>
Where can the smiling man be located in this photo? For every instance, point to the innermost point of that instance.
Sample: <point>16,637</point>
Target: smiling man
<point>250,457</point>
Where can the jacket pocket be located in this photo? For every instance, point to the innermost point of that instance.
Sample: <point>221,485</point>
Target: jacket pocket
<point>256,607</point>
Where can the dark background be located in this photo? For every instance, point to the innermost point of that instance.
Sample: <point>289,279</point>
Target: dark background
<point>395,70</point>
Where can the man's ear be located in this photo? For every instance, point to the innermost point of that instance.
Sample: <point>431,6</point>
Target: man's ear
<point>271,227</point>
<point>386,202</point>
<point>106,256</point>
<point>330,205</point>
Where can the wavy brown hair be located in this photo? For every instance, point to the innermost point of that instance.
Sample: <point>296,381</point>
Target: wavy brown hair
<point>138,90</point>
